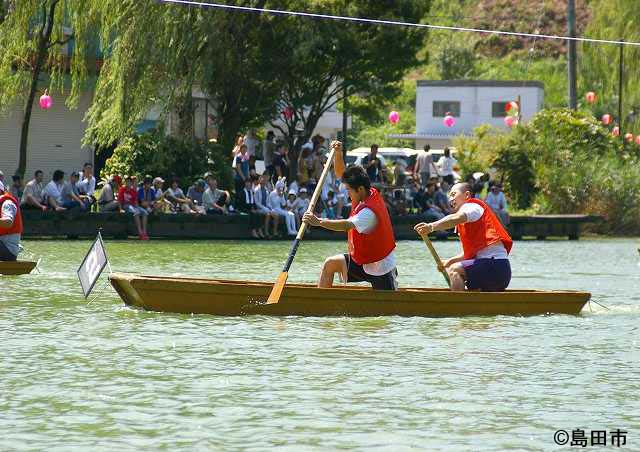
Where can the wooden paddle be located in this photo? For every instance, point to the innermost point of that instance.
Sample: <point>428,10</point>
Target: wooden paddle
<point>434,253</point>
<point>274,297</point>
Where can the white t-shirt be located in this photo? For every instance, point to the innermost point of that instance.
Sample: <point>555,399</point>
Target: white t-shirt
<point>446,166</point>
<point>364,222</point>
<point>87,186</point>
<point>496,251</point>
<point>53,190</point>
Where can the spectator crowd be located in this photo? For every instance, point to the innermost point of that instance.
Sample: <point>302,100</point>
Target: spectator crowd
<point>273,201</point>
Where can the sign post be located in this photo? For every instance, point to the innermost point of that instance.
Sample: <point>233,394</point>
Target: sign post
<point>92,266</point>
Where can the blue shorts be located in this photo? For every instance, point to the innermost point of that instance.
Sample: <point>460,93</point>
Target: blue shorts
<point>488,275</point>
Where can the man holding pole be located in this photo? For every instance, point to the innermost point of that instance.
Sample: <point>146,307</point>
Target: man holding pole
<point>371,256</point>
<point>484,262</point>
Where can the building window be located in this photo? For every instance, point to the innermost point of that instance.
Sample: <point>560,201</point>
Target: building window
<point>499,109</point>
<point>441,108</point>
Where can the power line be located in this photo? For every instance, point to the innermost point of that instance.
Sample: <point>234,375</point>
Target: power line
<point>395,22</point>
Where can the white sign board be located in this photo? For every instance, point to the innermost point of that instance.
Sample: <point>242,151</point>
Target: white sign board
<point>92,265</point>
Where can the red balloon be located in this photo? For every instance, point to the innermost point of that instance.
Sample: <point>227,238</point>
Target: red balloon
<point>511,105</point>
<point>606,119</point>
<point>590,96</point>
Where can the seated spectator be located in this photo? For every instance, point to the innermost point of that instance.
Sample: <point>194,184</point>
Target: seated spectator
<point>87,185</point>
<point>53,191</point>
<point>278,204</point>
<point>32,196</point>
<point>261,195</point>
<point>440,199</point>
<point>431,212</point>
<point>107,201</point>
<point>292,206</point>
<point>71,197</point>
<point>147,194</point>
<point>247,204</point>
<point>302,202</point>
<point>330,205</point>
<point>498,203</point>
<point>195,194</point>
<point>16,189</point>
<point>213,199</point>
<point>175,195</point>
<point>161,204</point>
<point>128,199</point>
<point>344,201</point>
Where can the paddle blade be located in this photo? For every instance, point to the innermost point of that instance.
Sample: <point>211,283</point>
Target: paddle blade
<point>278,287</point>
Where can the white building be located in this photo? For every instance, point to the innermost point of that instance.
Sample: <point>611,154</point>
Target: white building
<point>472,103</point>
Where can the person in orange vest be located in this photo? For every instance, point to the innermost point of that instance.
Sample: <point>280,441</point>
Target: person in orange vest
<point>371,255</point>
<point>10,225</point>
<point>484,261</point>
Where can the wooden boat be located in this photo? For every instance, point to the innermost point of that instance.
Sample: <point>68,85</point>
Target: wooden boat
<point>16,267</point>
<point>235,298</point>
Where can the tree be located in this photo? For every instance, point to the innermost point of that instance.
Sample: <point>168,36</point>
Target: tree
<point>33,43</point>
<point>330,60</point>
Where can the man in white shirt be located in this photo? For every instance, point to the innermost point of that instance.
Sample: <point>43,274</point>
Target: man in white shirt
<point>425,168</point>
<point>32,195</point>
<point>446,165</point>
<point>371,256</point>
<point>484,263</point>
<point>53,191</point>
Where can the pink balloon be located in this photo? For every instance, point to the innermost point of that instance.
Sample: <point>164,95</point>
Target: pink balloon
<point>510,121</point>
<point>45,101</point>
<point>616,131</point>
<point>606,119</point>
<point>638,139</point>
<point>590,97</point>
<point>628,137</point>
<point>394,117</point>
<point>449,121</point>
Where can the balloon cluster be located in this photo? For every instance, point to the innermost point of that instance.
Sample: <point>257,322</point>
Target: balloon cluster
<point>607,120</point>
<point>45,101</point>
<point>513,114</point>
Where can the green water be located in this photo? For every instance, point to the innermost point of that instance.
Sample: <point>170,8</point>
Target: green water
<point>78,376</point>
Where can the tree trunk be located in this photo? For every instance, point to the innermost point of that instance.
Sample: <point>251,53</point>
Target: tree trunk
<point>44,36</point>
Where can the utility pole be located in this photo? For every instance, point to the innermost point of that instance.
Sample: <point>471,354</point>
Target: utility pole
<point>571,16</point>
<point>345,106</point>
<point>620,84</point>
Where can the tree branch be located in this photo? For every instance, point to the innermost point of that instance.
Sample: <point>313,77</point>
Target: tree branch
<point>60,42</point>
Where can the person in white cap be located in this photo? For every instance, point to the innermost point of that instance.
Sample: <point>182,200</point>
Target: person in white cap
<point>10,225</point>
<point>277,203</point>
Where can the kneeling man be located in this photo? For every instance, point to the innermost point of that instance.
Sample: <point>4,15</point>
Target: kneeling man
<point>484,261</point>
<point>10,226</point>
<point>371,254</point>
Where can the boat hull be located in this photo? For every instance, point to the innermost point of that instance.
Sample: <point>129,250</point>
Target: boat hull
<point>236,298</point>
<point>16,267</point>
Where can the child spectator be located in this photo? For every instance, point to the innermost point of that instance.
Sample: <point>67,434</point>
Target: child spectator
<point>128,199</point>
<point>302,203</point>
<point>32,196</point>
<point>292,201</point>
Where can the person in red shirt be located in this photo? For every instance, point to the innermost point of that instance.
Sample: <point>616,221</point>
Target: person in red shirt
<point>128,199</point>
<point>371,256</point>
<point>10,225</point>
<point>484,261</point>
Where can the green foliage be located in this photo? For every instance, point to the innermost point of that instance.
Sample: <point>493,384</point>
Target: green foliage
<point>562,162</point>
<point>456,62</point>
<point>158,154</point>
